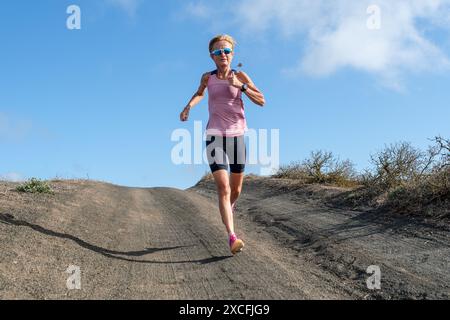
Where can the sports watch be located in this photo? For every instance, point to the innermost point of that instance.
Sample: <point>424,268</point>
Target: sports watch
<point>244,87</point>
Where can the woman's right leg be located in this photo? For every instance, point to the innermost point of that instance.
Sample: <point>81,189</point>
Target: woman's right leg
<point>224,192</point>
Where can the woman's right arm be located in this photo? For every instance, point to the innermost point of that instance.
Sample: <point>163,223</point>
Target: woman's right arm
<point>196,98</point>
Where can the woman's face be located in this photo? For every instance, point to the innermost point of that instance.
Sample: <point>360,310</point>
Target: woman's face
<point>223,60</point>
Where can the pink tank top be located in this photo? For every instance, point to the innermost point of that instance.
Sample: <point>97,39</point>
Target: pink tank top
<point>226,108</point>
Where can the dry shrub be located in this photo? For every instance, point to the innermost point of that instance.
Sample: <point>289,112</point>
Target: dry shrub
<point>321,167</point>
<point>407,180</point>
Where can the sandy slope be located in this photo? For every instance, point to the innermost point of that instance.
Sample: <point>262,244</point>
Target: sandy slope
<point>164,243</point>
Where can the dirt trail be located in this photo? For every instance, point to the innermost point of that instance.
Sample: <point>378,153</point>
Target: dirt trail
<point>164,243</point>
<point>413,255</point>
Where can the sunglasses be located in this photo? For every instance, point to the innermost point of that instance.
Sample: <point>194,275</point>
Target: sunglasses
<point>218,52</point>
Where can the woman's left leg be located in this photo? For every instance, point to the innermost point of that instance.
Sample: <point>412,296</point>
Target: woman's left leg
<point>237,168</point>
<point>236,180</point>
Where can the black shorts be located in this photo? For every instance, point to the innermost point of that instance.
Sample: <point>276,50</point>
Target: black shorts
<point>224,151</point>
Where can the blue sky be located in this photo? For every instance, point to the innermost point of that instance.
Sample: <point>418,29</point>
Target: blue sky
<point>103,101</point>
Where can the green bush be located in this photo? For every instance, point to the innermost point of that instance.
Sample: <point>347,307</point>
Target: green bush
<point>35,186</point>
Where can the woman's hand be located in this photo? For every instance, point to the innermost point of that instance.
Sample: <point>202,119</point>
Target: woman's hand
<point>252,91</point>
<point>234,81</point>
<point>184,115</point>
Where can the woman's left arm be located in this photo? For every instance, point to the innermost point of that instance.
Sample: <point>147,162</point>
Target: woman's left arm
<point>252,91</point>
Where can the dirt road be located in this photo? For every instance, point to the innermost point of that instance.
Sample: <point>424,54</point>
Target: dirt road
<point>164,243</point>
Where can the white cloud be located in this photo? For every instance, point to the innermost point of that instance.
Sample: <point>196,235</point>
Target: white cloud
<point>334,34</point>
<point>12,177</point>
<point>129,6</point>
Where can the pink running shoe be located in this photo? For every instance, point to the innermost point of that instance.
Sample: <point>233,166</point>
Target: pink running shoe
<point>236,244</point>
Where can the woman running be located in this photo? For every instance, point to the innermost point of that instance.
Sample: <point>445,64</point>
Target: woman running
<point>226,126</point>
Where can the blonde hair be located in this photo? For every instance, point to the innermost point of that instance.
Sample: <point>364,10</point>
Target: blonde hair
<point>221,37</point>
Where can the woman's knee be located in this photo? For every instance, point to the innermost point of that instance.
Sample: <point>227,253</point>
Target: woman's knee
<point>236,192</point>
<point>224,190</point>
<point>222,183</point>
